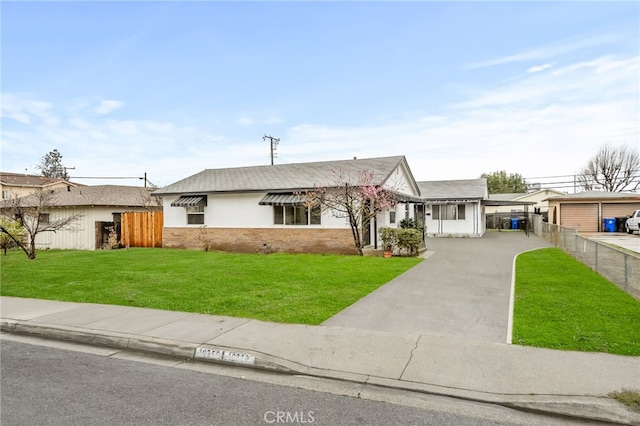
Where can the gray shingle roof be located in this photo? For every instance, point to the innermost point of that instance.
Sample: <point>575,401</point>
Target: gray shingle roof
<point>25,180</point>
<point>280,177</point>
<point>99,195</point>
<point>453,189</point>
<point>597,195</point>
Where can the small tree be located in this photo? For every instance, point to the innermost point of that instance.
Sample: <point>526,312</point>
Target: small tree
<point>502,183</point>
<point>14,228</point>
<point>615,169</point>
<point>352,196</point>
<point>51,165</point>
<point>32,213</point>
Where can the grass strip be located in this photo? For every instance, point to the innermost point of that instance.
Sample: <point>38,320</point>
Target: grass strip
<point>562,304</point>
<point>288,288</point>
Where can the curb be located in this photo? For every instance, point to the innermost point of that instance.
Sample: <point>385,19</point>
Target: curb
<point>583,407</point>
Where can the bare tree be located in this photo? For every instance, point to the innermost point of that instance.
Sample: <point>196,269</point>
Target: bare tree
<point>32,212</point>
<point>352,196</point>
<point>149,202</point>
<point>613,168</point>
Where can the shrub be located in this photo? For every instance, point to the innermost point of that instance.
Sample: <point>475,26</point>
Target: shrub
<point>409,240</point>
<point>389,237</point>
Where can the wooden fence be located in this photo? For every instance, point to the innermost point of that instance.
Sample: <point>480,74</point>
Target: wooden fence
<point>141,229</point>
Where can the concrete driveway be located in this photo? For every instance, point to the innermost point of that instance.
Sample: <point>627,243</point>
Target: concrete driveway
<point>462,289</point>
<point>624,240</point>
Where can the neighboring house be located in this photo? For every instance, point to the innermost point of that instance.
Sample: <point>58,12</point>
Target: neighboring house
<point>21,184</point>
<point>253,209</point>
<point>538,198</point>
<point>587,210</point>
<point>100,207</point>
<point>454,208</point>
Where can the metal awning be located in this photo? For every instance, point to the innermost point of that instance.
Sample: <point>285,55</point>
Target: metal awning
<point>507,203</point>
<point>280,199</point>
<point>451,201</point>
<point>405,198</point>
<point>190,201</point>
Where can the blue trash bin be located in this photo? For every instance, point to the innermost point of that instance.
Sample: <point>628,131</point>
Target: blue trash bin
<point>514,223</point>
<point>609,224</point>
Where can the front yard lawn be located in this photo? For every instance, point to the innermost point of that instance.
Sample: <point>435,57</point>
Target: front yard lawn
<point>562,304</point>
<point>304,289</point>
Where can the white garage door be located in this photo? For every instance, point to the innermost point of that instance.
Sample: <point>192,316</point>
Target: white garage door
<point>583,216</point>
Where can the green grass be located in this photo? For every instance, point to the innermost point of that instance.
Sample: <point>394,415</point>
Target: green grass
<point>305,289</point>
<point>562,304</point>
<point>628,397</point>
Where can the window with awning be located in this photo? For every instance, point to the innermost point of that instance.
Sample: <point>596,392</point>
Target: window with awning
<point>194,205</point>
<point>289,209</point>
<point>190,201</point>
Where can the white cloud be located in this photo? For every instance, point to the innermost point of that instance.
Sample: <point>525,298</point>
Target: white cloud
<point>106,106</point>
<point>248,121</point>
<point>25,110</point>
<point>550,50</point>
<point>539,68</point>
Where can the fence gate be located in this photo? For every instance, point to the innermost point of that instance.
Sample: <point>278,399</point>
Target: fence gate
<point>141,229</point>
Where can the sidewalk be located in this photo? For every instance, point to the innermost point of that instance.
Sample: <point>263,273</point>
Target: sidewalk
<point>561,382</point>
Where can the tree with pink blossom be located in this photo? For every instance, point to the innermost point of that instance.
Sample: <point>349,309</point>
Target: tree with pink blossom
<point>353,196</point>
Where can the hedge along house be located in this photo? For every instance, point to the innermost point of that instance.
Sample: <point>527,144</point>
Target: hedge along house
<point>256,209</point>
<point>454,208</point>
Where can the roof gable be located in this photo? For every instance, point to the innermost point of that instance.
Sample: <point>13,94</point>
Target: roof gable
<point>282,177</point>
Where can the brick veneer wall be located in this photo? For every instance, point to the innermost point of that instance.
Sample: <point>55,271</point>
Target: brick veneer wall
<point>256,240</point>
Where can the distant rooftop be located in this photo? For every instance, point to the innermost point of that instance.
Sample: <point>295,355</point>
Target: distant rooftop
<point>26,180</point>
<point>448,189</point>
<point>99,195</point>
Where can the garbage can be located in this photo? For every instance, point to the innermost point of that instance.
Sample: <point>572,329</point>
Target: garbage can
<point>522,223</point>
<point>609,224</point>
<point>514,223</point>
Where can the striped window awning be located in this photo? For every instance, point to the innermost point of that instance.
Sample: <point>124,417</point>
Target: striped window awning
<point>190,201</point>
<point>452,201</point>
<point>280,199</point>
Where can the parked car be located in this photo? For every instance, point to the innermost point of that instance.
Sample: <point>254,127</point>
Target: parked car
<point>633,223</point>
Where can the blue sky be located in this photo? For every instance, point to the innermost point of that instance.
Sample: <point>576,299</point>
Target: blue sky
<point>459,88</point>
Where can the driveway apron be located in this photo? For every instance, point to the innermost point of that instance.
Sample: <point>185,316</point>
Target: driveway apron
<point>462,289</point>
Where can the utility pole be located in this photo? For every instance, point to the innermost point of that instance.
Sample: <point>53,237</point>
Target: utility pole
<point>66,175</point>
<point>274,145</point>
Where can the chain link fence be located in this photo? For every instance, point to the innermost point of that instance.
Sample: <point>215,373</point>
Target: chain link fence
<point>618,266</point>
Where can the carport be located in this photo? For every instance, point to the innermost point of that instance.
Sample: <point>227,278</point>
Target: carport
<point>499,220</point>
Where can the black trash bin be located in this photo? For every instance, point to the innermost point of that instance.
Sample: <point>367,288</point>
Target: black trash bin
<point>523,223</point>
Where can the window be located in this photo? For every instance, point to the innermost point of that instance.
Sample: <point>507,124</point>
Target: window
<point>43,218</point>
<point>296,215</point>
<point>392,217</point>
<point>5,195</point>
<point>449,212</point>
<point>195,215</point>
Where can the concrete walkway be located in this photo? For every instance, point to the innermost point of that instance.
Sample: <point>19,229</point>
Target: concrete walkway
<point>462,289</point>
<point>560,382</point>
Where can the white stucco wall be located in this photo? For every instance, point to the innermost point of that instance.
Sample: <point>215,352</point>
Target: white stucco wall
<point>237,210</point>
<point>473,225</point>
